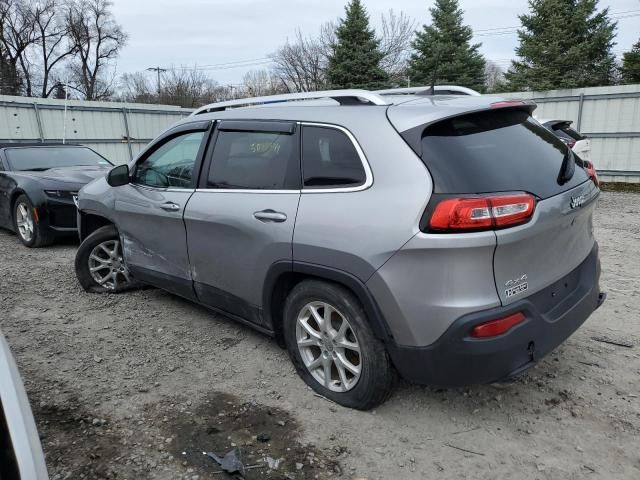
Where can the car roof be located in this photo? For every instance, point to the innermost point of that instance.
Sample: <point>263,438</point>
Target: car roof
<point>407,110</point>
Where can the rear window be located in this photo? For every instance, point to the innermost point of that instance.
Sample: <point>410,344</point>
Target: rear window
<point>44,158</point>
<point>495,151</point>
<point>565,131</point>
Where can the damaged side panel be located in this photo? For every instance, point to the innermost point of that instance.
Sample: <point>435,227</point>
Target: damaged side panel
<point>153,236</point>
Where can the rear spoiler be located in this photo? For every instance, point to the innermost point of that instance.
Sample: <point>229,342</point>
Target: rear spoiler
<point>413,136</point>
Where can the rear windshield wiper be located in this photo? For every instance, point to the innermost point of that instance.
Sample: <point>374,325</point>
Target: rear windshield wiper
<point>37,169</point>
<point>568,168</point>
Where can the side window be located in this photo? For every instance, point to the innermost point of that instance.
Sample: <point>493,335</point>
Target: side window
<point>330,159</point>
<point>171,165</point>
<point>255,160</point>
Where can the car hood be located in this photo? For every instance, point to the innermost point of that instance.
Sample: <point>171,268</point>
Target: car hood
<point>75,175</point>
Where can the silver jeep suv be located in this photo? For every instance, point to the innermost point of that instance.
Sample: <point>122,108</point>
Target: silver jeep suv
<point>446,238</point>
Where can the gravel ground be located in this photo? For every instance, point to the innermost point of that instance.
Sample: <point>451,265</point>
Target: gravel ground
<point>139,385</point>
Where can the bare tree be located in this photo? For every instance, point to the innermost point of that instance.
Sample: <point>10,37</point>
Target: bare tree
<point>300,64</point>
<point>396,34</point>
<point>494,75</point>
<point>97,39</point>
<point>17,34</point>
<point>191,88</point>
<point>52,45</point>
<point>258,83</point>
<point>136,87</point>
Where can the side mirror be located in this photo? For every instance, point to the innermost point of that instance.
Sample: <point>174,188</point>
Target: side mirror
<point>118,176</point>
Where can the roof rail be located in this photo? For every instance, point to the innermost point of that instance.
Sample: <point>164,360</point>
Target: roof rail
<point>427,90</point>
<point>343,97</point>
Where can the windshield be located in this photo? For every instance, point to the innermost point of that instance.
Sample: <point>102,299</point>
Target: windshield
<point>44,158</point>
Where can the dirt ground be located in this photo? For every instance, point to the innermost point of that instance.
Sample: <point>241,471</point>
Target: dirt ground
<point>139,385</point>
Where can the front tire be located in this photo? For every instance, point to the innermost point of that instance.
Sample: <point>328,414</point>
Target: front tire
<point>333,348</point>
<point>30,233</point>
<point>99,265</point>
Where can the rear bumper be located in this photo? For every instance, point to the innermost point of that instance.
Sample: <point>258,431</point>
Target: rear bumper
<point>552,315</point>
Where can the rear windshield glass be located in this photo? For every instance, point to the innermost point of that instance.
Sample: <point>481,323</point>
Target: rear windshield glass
<point>565,131</point>
<point>44,158</point>
<point>495,151</point>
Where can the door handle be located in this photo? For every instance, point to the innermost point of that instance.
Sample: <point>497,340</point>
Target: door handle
<point>270,216</point>
<point>170,207</point>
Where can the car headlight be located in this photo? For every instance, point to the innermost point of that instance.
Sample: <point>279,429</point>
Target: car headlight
<point>60,194</point>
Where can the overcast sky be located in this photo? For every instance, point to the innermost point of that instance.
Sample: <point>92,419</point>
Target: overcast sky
<point>214,32</point>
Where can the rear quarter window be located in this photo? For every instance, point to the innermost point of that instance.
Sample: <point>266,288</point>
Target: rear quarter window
<point>330,159</point>
<point>495,151</point>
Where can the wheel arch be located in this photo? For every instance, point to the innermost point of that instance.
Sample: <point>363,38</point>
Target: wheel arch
<point>285,275</point>
<point>89,222</point>
<point>13,198</point>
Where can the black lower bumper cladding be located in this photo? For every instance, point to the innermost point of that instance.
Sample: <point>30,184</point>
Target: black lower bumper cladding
<point>552,315</point>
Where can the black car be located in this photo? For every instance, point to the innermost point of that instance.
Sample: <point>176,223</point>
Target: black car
<point>39,185</point>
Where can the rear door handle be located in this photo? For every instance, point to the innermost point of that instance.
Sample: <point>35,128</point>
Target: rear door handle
<point>270,216</point>
<point>170,207</point>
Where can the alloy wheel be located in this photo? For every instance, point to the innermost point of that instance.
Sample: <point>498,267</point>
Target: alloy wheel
<point>328,346</point>
<point>24,222</point>
<point>107,267</point>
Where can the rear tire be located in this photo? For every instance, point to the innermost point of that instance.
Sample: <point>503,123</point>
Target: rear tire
<point>333,348</point>
<point>29,231</point>
<point>99,257</point>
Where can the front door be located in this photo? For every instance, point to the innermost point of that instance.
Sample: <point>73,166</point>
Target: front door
<point>149,211</point>
<point>240,220</point>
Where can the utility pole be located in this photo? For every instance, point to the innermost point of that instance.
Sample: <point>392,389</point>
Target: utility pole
<point>159,71</point>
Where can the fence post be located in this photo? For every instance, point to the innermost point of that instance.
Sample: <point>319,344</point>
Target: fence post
<point>39,121</point>
<point>126,130</point>
<point>580,105</point>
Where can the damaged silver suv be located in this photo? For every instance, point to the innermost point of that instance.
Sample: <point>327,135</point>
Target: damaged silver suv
<point>446,238</point>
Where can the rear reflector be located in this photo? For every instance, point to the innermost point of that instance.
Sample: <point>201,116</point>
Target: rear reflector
<point>497,327</point>
<point>482,213</point>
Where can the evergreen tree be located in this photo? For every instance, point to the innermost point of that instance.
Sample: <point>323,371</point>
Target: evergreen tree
<point>444,53</point>
<point>631,65</point>
<point>354,61</point>
<point>564,44</point>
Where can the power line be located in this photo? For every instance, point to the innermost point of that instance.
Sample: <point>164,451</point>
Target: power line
<point>487,32</point>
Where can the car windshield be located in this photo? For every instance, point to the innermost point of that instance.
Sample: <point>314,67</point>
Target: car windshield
<point>44,158</point>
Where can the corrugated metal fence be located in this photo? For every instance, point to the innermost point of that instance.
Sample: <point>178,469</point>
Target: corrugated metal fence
<point>116,130</point>
<point>609,115</point>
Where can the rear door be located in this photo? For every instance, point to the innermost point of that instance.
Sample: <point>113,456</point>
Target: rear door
<point>240,220</point>
<point>149,210</point>
<point>505,150</point>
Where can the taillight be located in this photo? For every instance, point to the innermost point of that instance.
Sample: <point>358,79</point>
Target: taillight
<point>482,213</point>
<point>493,328</point>
<point>591,171</point>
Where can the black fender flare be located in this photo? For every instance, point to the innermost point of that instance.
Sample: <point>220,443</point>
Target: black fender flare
<point>286,267</point>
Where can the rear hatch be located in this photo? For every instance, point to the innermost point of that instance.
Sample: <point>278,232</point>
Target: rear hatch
<point>505,151</point>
